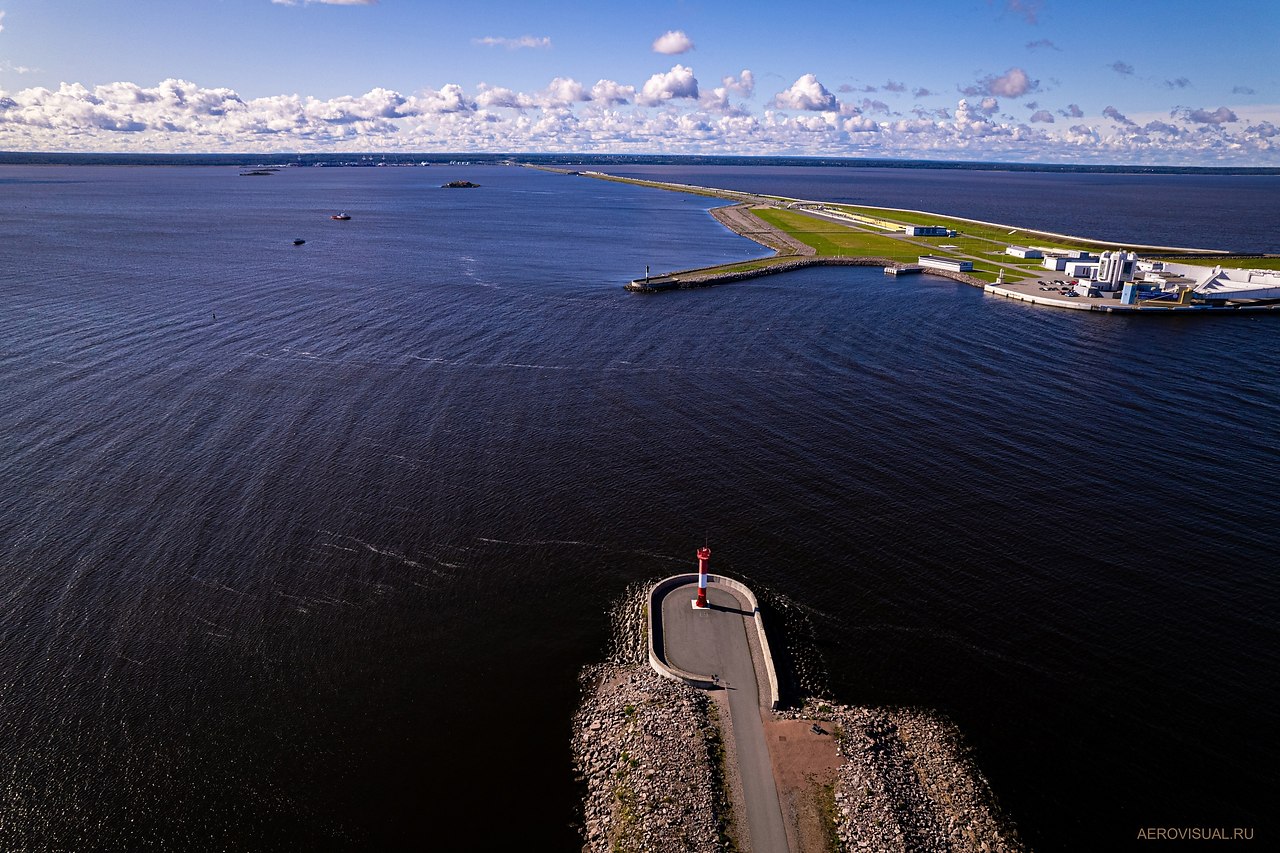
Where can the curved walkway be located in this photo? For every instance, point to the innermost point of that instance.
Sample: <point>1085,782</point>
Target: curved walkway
<point>717,642</point>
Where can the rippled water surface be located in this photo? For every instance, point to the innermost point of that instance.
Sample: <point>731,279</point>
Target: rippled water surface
<point>304,547</point>
<point>1232,212</point>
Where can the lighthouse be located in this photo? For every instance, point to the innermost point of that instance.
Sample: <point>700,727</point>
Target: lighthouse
<point>704,554</point>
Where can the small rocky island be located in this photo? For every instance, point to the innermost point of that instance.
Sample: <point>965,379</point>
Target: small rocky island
<point>459,185</point>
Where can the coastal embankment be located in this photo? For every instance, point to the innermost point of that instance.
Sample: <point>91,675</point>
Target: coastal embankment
<point>656,759</point>
<point>739,219</point>
<point>788,201</point>
<point>790,254</point>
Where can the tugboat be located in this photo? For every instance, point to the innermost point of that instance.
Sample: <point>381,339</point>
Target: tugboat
<point>341,217</point>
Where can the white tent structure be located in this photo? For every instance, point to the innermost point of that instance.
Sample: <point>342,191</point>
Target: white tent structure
<point>1237,285</point>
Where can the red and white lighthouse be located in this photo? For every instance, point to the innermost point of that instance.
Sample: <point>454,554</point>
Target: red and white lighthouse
<point>704,554</point>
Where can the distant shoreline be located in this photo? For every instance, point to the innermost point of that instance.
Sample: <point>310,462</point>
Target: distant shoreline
<point>804,233</point>
<point>440,158</point>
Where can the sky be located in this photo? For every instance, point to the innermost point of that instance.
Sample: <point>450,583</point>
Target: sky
<point>1030,81</point>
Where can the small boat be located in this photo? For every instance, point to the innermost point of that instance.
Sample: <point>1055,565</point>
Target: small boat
<point>341,217</point>
<point>299,242</point>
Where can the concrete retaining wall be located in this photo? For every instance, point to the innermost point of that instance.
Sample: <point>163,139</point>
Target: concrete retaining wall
<point>657,657</point>
<point>770,673</point>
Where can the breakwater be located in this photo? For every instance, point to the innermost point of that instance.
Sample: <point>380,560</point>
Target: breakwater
<point>657,765</point>
<point>648,750</point>
<point>908,783</point>
<point>789,254</point>
<point>728,273</point>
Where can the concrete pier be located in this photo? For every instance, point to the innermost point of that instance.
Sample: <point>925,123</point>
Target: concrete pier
<point>723,648</point>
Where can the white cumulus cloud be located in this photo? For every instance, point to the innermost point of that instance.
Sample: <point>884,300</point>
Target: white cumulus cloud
<point>1013,83</point>
<point>679,82</point>
<point>498,96</point>
<point>449,98</point>
<point>744,84</point>
<point>672,42</point>
<point>806,94</point>
<point>1221,115</point>
<point>563,91</point>
<point>177,115</point>
<point>608,92</point>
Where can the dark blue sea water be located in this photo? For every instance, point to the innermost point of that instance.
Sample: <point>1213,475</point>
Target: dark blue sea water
<point>1233,212</point>
<point>304,547</point>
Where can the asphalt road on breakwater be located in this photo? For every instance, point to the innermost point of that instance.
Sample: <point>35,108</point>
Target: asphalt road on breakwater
<point>716,642</point>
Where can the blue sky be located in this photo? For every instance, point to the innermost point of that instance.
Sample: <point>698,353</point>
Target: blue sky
<point>1017,80</point>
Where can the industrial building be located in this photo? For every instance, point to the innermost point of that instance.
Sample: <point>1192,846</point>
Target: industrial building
<point>1080,269</point>
<point>1137,291</point>
<point>1023,252</point>
<point>1236,285</point>
<point>1114,269</point>
<point>1058,261</point>
<point>950,264</point>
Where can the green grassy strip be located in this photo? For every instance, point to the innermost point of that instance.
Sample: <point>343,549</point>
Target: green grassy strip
<point>825,795</point>
<point>1019,236</point>
<point>833,240</point>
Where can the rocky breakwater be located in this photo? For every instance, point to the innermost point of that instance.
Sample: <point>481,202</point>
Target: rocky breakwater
<point>908,783</point>
<point>713,275</point>
<point>726,273</point>
<point>648,751</point>
<point>651,756</point>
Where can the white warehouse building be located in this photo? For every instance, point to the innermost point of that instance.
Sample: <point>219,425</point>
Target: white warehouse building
<point>1080,269</point>
<point>1059,262</point>
<point>934,262</point>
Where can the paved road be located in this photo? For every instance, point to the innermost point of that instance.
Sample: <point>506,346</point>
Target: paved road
<point>714,642</point>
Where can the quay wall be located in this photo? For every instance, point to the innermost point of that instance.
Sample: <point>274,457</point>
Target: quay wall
<point>1083,304</point>
<point>770,673</point>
